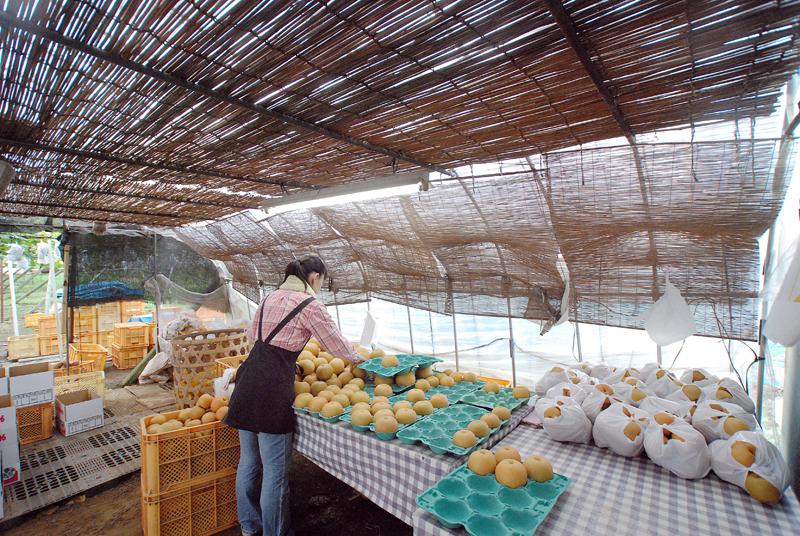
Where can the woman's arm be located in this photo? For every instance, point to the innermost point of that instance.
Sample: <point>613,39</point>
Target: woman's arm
<point>324,329</point>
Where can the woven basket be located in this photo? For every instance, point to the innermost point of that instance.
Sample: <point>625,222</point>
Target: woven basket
<point>194,358</point>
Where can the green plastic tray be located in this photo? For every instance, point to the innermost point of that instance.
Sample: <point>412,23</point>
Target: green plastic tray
<point>317,414</point>
<point>482,399</point>
<point>436,431</point>
<point>457,392</point>
<point>370,389</point>
<point>422,360</point>
<point>406,363</point>
<point>485,507</point>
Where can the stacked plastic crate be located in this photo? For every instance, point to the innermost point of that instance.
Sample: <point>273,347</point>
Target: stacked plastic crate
<point>131,344</point>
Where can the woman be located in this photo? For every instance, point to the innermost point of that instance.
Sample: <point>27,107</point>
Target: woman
<point>261,404</point>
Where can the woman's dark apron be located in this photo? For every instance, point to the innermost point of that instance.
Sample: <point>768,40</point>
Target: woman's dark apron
<point>264,392</point>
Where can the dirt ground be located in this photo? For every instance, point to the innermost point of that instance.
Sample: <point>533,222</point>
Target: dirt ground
<point>321,504</point>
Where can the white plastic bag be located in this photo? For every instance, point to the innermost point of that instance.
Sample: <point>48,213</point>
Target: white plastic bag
<point>585,367</point>
<point>552,377</point>
<point>664,385</point>
<point>544,403</point>
<point>728,390</point>
<point>567,389</point>
<point>647,370</point>
<point>601,371</point>
<point>669,320</point>
<point>654,404</point>
<point>688,393</point>
<point>782,325</point>
<point>610,427</point>
<point>571,426</point>
<point>767,461</point>
<point>621,375</point>
<point>597,401</point>
<point>678,447</point>
<point>223,386</point>
<point>710,416</point>
<point>15,253</point>
<point>698,376</point>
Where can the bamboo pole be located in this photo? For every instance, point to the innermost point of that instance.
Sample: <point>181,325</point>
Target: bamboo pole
<point>410,331</point>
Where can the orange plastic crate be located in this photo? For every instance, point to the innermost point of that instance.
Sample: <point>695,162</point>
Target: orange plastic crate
<point>174,460</point>
<point>87,337</point>
<point>108,308</point>
<point>125,357</point>
<point>84,319</point>
<point>32,319</point>
<point>132,334</point>
<point>198,510</point>
<point>35,423</point>
<point>74,369</point>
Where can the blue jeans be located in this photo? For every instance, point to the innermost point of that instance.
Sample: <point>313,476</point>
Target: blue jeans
<point>262,483</point>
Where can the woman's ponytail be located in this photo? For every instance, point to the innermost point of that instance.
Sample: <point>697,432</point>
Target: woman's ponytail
<point>304,267</point>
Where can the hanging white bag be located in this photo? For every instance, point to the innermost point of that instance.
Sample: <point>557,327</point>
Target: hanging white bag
<point>655,404</point>
<point>597,400</point>
<point>552,377</point>
<point>574,391</point>
<point>543,403</point>
<point>720,420</point>
<point>620,428</point>
<point>567,423</point>
<point>727,390</point>
<point>673,444</point>
<point>750,461</point>
<point>781,325</point>
<point>669,320</point>
<point>585,367</point>
<point>698,376</point>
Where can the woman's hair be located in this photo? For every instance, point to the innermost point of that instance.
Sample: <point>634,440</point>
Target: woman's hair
<point>304,267</point>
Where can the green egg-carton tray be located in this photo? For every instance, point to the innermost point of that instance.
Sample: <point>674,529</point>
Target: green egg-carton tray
<point>485,507</point>
<point>421,359</point>
<point>457,392</point>
<point>406,363</point>
<point>436,431</point>
<point>370,389</point>
<point>482,399</point>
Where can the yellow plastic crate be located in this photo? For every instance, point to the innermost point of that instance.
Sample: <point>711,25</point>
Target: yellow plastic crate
<point>228,362</point>
<point>125,357</point>
<point>198,510</point>
<point>130,308</point>
<point>48,345</point>
<point>88,352</point>
<point>131,334</point>
<point>94,382</point>
<point>174,460</point>
<point>60,370</point>
<point>47,326</point>
<point>20,346</point>
<point>32,319</point>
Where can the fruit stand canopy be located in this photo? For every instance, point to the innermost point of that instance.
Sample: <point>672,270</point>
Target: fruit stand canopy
<point>166,114</point>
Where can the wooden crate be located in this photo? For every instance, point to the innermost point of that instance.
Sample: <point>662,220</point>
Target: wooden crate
<point>83,352</point>
<point>20,346</point>
<point>177,459</point>
<point>48,345</point>
<point>132,334</point>
<point>199,510</point>
<point>125,357</point>
<point>35,423</point>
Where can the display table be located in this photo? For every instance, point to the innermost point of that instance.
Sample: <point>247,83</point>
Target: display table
<point>610,494</point>
<point>388,473</point>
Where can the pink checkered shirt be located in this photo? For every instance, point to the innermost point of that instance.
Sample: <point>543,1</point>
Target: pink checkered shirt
<point>314,321</point>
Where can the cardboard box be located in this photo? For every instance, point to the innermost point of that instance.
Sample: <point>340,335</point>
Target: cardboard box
<point>31,384</point>
<point>78,412</point>
<point>3,381</point>
<point>9,440</point>
<point>1,485</point>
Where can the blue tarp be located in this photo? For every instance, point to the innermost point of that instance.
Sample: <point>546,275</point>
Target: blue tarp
<point>103,291</point>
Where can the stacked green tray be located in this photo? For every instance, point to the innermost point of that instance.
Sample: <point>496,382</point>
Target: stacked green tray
<point>485,507</point>
<point>406,363</point>
<point>457,392</point>
<point>482,399</point>
<point>436,431</point>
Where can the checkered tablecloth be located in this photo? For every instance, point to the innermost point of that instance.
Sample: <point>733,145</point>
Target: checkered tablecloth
<point>610,494</point>
<point>388,473</point>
